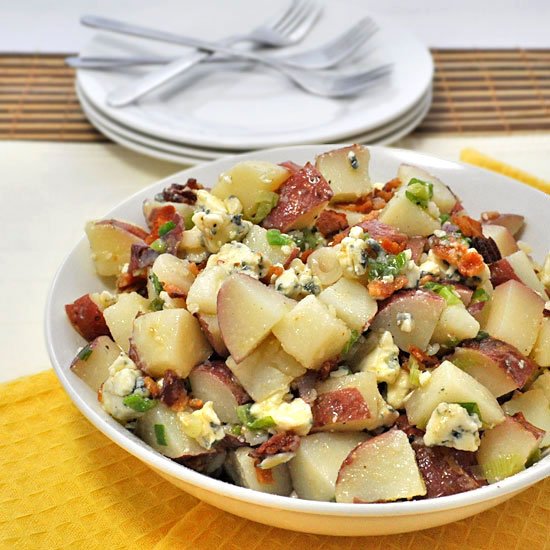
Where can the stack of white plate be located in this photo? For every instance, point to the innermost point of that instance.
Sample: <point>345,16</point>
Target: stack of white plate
<point>231,108</point>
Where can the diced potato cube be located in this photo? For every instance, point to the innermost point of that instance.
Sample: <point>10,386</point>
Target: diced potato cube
<point>256,240</point>
<point>120,317</point>
<point>454,324</point>
<point>535,407</point>
<point>541,350</point>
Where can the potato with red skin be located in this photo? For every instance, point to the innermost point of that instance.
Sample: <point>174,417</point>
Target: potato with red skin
<point>211,329</point>
<point>503,238</point>
<point>213,381</point>
<point>512,222</point>
<point>301,198</point>
<point>523,271</point>
<point>86,316</point>
<point>499,366</point>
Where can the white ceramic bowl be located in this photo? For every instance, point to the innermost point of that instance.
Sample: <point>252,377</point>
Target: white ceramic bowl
<point>479,190</point>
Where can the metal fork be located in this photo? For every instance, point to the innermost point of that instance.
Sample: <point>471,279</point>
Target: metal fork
<point>329,54</point>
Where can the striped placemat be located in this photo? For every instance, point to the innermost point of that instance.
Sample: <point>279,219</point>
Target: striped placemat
<point>475,92</point>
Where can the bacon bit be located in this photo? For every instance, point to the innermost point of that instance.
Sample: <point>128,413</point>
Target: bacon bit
<point>263,476</point>
<point>196,403</point>
<point>337,239</point>
<point>159,216</point>
<point>305,255</point>
<point>100,394</point>
<point>363,205</point>
<point>378,203</point>
<point>283,442</point>
<point>173,291</point>
<point>152,386</point>
<point>423,358</point>
<point>381,290</point>
<point>330,222</point>
<point>392,247</point>
<point>471,263</point>
<point>457,208</point>
<point>491,215</point>
<point>293,255</point>
<point>468,226</point>
<point>273,271</point>
<point>126,282</point>
<point>326,368</point>
<point>426,279</point>
<point>451,254</point>
<point>173,393</point>
<point>393,184</point>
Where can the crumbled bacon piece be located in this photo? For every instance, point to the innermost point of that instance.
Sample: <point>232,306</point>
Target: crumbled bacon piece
<point>263,476</point>
<point>330,222</point>
<point>392,185</point>
<point>470,264</point>
<point>306,254</point>
<point>468,226</point>
<point>173,393</point>
<point>160,216</point>
<point>196,403</point>
<point>152,386</point>
<point>378,203</point>
<point>392,247</point>
<point>284,442</point>
<point>380,290</point>
<point>450,251</point>
<point>363,205</point>
<point>182,193</point>
<point>273,271</point>
<point>488,249</point>
<point>423,358</point>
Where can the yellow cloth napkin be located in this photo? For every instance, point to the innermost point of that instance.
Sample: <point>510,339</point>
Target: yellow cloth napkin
<point>63,484</point>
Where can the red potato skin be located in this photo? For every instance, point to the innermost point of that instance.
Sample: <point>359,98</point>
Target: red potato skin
<point>517,366</point>
<point>339,407</point>
<point>416,245</point>
<point>520,419</point>
<point>501,272</point>
<point>217,343</point>
<point>381,232</point>
<point>130,228</point>
<point>512,222</point>
<point>219,370</point>
<point>284,442</point>
<point>87,318</point>
<point>304,194</point>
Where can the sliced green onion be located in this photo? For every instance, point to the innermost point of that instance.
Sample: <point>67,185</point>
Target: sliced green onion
<point>502,467</point>
<point>414,371</point>
<point>236,429</point>
<point>166,227</point>
<point>479,295</point>
<point>265,203</point>
<point>472,408</point>
<point>276,238</point>
<point>188,221</point>
<point>156,304</point>
<point>159,246</point>
<point>482,335</point>
<point>157,285</point>
<point>139,403</point>
<point>445,291</point>
<point>419,192</point>
<point>243,414</point>
<point>85,352</point>
<point>390,266</point>
<point>160,434</point>
<point>352,339</point>
<point>444,218</point>
<point>262,423</point>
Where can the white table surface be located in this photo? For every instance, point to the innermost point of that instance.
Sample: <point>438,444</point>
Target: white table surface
<point>49,190</point>
<point>41,26</point>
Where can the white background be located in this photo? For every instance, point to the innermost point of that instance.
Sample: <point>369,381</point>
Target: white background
<point>52,26</point>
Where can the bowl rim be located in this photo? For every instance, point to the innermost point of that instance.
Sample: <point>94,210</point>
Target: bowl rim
<point>134,446</point>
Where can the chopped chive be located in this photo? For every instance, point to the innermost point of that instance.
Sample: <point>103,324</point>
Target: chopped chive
<point>156,304</point>
<point>166,227</point>
<point>262,423</point>
<point>414,371</point>
<point>159,246</point>
<point>472,408</point>
<point>482,335</point>
<point>157,285</point>
<point>276,238</point>
<point>419,192</point>
<point>445,291</point>
<point>85,352</point>
<point>444,218</point>
<point>252,423</point>
<point>139,403</point>
<point>160,434</point>
<point>188,221</point>
<point>243,414</point>
<point>236,429</point>
<point>352,339</point>
<point>479,295</point>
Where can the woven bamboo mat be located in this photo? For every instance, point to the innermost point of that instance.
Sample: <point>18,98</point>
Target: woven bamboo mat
<point>475,92</point>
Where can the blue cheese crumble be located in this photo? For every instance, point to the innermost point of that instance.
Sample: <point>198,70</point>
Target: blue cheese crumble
<point>203,425</point>
<point>124,379</point>
<point>219,222</point>
<point>297,281</point>
<point>238,258</point>
<point>381,358</point>
<point>450,425</point>
<point>352,253</point>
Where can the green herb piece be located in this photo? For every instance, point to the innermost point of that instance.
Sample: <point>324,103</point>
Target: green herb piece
<point>160,434</point>
<point>156,304</point>
<point>266,202</point>
<point>390,266</point>
<point>262,423</point>
<point>445,291</point>
<point>452,342</point>
<point>472,408</point>
<point>444,218</point>
<point>482,335</point>
<point>250,421</point>
<point>157,285</point>
<point>139,403</point>
<point>479,295</point>
<point>419,192</point>
<point>166,228</point>
<point>502,467</point>
<point>276,238</point>
<point>307,239</point>
<point>188,221</point>
<point>85,352</point>
<point>414,371</point>
<point>236,429</point>
<point>352,339</point>
<point>159,246</point>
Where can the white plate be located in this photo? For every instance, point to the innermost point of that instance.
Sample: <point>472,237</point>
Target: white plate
<point>479,190</point>
<point>241,108</point>
<point>169,150</point>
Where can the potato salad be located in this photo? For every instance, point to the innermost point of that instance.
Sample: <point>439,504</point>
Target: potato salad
<point>304,331</point>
